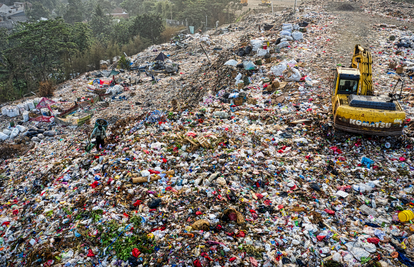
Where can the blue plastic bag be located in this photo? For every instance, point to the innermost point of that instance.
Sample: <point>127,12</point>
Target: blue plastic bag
<point>367,162</point>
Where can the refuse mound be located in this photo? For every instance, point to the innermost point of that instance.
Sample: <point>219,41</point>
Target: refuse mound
<point>9,151</point>
<point>346,7</point>
<point>234,161</point>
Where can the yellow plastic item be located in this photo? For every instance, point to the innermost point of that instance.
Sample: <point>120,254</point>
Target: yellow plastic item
<point>150,236</point>
<point>405,216</point>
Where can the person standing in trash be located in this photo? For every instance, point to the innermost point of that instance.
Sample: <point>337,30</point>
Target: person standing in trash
<point>100,134</point>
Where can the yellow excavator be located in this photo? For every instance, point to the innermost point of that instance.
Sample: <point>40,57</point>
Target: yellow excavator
<point>356,109</point>
<point>243,2</point>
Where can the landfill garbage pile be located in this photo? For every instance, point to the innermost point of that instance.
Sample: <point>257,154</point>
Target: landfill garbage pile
<point>397,9</point>
<point>233,161</point>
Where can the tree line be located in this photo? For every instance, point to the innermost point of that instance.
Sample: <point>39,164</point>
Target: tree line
<point>194,11</point>
<point>77,35</point>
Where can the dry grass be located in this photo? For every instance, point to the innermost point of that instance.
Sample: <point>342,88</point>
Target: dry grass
<point>46,88</point>
<point>169,32</point>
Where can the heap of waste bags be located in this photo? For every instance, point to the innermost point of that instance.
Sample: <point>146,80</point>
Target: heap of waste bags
<point>233,161</point>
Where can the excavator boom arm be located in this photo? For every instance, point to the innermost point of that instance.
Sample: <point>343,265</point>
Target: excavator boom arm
<point>362,60</point>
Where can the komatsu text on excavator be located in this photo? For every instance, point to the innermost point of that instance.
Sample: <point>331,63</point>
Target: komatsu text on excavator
<point>355,108</point>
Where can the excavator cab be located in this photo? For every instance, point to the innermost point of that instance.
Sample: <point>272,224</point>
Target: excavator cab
<point>346,82</point>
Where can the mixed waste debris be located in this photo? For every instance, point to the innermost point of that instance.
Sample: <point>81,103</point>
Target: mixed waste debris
<point>228,160</point>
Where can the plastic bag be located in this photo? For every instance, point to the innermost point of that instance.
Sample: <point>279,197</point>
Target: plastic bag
<point>248,65</point>
<point>3,136</point>
<point>337,257</point>
<point>21,107</point>
<point>21,128</point>
<point>7,132</point>
<point>278,69</point>
<point>231,62</point>
<point>367,162</point>
<point>283,44</point>
<point>14,133</point>
<point>25,116</point>
<point>256,44</point>
<point>239,78</point>
<point>286,38</point>
<point>287,33</point>
<point>261,52</point>
<point>30,105</point>
<point>287,26</point>
<point>297,36</point>
<point>293,75</point>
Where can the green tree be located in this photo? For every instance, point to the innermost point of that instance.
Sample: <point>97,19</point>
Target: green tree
<point>148,7</point>
<point>133,7</point>
<point>124,63</point>
<point>74,11</point>
<point>100,24</point>
<point>164,8</point>
<point>37,11</point>
<point>81,35</point>
<point>3,41</point>
<point>120,32</point>
<point>60,10</point>
<point>49,4</point>
<point>90,7</point>
<point>44,44</point>
<point>148,26</point>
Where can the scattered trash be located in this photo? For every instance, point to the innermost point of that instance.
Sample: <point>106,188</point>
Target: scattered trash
<point>223,154</point>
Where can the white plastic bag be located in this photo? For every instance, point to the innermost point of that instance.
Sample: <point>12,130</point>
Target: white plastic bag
<point>285,33</point>
<point>13,111</point>
<point>337,257</point>
<point>21,128</point>
<point>29,105</point>
<point>295,76</point>
<point>21,107</point>
<point>231,62</point>
<point>261,52</point>
<point>3,136</point>
<point>287,26</point>
<point>14,133</point>
<point>7,132</point>
<point>25,116</point>
<point>248,65</point>
<point>239,78</point>
<point>278,69</point>
<point>297,36</point>
<point>256,44</point>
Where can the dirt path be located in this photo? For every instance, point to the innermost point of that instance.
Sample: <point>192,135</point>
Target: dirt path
<point>355,27</point>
